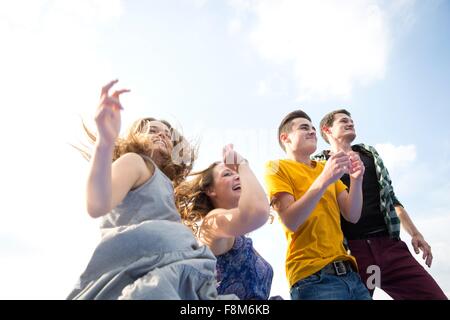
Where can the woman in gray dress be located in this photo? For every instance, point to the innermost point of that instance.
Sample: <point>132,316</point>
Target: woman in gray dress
<point>146,252</point>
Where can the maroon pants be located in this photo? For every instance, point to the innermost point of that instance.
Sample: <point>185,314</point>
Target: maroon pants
<point>402,277</point>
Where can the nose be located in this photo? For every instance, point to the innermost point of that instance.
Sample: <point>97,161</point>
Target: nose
<point>160,134</point>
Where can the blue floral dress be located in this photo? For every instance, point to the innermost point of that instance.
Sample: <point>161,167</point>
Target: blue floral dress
<point>244,272</point>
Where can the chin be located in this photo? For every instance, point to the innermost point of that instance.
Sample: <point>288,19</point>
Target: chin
<point>162,151</point>
<point>312,147</point>
<point>350,137</point>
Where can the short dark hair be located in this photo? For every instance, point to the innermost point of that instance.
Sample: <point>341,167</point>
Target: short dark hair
<point>327,121</point>
<point>286,124</point>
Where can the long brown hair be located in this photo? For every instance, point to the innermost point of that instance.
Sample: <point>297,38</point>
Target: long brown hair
<point>191,199</point>
<point>176,166</point>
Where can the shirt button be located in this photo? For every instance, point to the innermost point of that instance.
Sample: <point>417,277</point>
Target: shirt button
<point>368,241</point>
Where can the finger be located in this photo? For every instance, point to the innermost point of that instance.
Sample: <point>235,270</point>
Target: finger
<point>422,247</point>
<point>112,103</point>
<point>354,156</point>
<point>342,161</point>
<point>229,147</point>
<point>117,93</point>
<point>340,155</point>
<point>353,160</point>
<point>344,166</point>
<point>225,149</point>
<point>416,247</point>
<point>228,157</point>
<point>429,260</point>
<point>108,86</point>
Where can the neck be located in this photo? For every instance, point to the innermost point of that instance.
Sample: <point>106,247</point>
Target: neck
<point>340,145</point>
<point>227,205</point>
<point>299,157</point>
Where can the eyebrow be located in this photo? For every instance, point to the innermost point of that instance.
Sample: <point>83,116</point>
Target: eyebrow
<point>303,125</point>
<point>225,170</point>
<point>155,127</point>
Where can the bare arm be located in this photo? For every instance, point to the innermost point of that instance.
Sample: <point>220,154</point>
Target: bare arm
<point>108,183</point>
<point>252,211</point>
<point>417,240</point>
<point>351,202</point>
<point>294,213</point>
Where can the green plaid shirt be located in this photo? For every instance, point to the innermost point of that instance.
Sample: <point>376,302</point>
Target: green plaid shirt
<point>387,196</point>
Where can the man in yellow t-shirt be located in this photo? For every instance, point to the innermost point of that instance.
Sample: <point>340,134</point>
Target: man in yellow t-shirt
<point>309,197</point>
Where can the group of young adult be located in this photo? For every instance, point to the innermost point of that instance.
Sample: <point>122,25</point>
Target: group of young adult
<point>168,233</point>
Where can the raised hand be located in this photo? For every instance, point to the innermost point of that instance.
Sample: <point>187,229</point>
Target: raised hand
<point>107,117</point>
<point>356,170</point>
<point>336,166</point>
<point>231,158</point>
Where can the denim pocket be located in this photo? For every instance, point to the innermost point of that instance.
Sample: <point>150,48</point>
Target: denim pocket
<point>307,288</point>
<point>312,279</point>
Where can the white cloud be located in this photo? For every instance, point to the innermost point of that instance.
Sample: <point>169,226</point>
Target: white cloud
<point>51,71</point>
<point>275,85</point>
<point>332,45</point>
<point>234,26</point>
<point>396,157</point>
<point>410,176</point>
<point>199,3</point>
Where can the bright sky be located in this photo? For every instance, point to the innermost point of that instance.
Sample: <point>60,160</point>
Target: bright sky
<point>225,71</point>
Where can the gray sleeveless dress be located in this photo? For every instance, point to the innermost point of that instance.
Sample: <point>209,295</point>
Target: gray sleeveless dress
<point>147,253</point>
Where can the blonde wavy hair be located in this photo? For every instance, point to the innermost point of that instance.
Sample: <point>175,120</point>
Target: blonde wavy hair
<point>176,166</point>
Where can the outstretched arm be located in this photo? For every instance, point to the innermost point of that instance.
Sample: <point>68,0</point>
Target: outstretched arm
<point>108,182</point>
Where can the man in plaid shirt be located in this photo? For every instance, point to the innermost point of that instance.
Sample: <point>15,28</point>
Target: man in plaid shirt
<point>375,239</point>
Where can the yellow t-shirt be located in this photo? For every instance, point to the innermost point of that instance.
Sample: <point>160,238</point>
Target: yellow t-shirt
<point>319,240</point>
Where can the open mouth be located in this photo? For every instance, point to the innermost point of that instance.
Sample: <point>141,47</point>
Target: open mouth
<point>236,187</point>
<point>159,141</point>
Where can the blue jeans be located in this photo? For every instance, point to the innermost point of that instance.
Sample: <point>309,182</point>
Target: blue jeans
<point>323,286</point>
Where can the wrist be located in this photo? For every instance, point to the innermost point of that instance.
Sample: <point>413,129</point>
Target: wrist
<point>358,180</point>
<point>104,146</point>
<point>322,182</point>
<point>416,234</point>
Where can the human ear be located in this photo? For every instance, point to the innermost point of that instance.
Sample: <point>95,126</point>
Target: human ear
<point>284,137</point>
<point>210,192</point>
